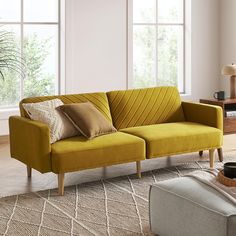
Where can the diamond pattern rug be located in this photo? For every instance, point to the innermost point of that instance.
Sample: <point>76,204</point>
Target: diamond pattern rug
<point>117,206</point>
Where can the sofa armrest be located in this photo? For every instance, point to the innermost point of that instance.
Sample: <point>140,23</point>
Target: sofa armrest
<point>205,114</point>
<point>30,143</point>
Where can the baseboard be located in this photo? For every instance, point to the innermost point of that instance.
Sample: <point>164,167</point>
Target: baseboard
<point>4,139</point>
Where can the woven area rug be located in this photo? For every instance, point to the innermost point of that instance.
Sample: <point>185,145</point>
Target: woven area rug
<point>117,206</point>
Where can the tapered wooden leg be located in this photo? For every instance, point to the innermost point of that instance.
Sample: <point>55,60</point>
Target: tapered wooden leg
<point>200,153</point>
<point>29,171</point>
<point>61,178</point>
<point>138,165</point>
<point>212,157</point>
<point>220,154</point>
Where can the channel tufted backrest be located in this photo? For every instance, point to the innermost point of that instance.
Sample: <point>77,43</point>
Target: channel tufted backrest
<point>99,100</point>
<point>149,106</point>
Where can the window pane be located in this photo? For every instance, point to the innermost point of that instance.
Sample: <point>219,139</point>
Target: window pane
<point>41,10</point>
<point>10,10</point>
<point>41,56</point>
<point>144,56</point>
<point>170,56</point>
<point>144,11</point>
<point>170,11</point>
<point>10,86</point>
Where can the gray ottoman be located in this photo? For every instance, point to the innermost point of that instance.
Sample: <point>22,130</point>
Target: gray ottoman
<point>186,207</point>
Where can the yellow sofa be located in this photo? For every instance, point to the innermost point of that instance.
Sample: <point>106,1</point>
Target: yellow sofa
<point>151,123</point>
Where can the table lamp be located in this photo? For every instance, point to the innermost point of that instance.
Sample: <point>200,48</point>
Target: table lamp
<point>231,70</point>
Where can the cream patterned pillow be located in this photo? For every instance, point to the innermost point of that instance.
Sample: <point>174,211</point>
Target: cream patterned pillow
<point>46,112</point>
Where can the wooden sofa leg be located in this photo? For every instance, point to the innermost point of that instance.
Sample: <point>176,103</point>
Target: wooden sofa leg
<point>200,153</point>
<point>61,178</point>
<point>220,154</point>
<point>138,166</point>
<point>212,157</point>
<point>29,171</point>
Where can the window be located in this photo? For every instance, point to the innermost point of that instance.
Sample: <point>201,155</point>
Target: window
<point>36,28</point>
<point>158,46</point>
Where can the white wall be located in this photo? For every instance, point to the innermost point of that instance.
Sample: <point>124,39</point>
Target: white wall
<point>4,127</point>
<point>4,130</point>
<point>227,38</point>
<point>95,45</point>
<point>205,48</point>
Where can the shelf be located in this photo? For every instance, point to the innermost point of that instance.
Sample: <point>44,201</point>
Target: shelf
<point>226,101</point>
<point>229,123</point>
<point>229,118</point>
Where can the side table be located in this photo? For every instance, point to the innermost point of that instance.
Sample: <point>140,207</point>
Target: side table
<point>229,123</point>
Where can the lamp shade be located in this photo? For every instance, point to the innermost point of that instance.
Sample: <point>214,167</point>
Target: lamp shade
<point>229,70</point>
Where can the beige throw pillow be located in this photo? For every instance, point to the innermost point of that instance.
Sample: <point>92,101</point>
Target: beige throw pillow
<point>87,119</point>
<point>59,125</point>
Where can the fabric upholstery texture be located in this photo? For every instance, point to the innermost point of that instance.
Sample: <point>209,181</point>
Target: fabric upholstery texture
<point>138,107</point>
<point>174,138</point>
<point>204,114</point>
<point>87,119</point>
<point>99,100</point>
<point>184,206</point>
<point>78,153</point>
<point>153,122</point>
<point>30,143</point>
<point>59,125</point>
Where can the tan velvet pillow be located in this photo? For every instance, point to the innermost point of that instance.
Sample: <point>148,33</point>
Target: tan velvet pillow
<point>87,119</point>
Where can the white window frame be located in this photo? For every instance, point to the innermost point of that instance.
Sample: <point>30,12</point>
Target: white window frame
<point>60,23</point>
<point>5,113</point>
<point>186,44</point>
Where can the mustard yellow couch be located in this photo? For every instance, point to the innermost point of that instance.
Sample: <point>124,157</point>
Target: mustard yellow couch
<point>151,123</point>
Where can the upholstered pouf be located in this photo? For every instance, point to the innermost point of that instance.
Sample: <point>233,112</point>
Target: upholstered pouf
<point>186,207</point>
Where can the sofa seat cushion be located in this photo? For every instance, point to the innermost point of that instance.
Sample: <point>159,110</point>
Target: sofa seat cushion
<point>78,153</point>
<point>174,138</point>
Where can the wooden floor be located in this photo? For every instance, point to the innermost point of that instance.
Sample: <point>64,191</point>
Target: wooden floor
<point>13,175</point>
